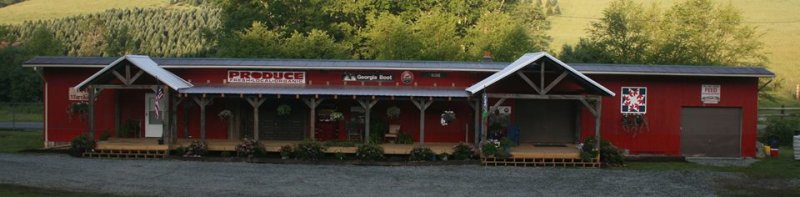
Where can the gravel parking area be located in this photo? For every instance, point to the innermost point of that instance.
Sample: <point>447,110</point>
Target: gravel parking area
<point>191,178</point>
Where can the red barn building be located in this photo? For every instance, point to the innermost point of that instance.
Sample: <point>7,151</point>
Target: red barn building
<point>537,100</point>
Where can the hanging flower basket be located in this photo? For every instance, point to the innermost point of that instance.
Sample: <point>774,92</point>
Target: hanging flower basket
<point>393,112</point>
<point>448,117</point>
<point>284,110</point>
<point>225,114</point>
<point>336,116</point>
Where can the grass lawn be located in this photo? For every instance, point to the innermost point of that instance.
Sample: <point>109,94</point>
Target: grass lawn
<point>16,190</point>
<point>15,141</point>
<point>47,9</point>
<point>768,176</point>
<point>21,112</point>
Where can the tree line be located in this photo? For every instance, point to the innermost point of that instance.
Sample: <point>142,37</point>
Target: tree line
<point>690,32</point>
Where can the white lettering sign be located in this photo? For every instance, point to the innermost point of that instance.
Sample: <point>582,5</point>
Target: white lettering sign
<point>77,95</point>
<point>710,94</point>
<point>270,77</point>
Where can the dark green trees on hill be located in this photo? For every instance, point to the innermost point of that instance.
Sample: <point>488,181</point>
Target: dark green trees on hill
<point>156,32</point>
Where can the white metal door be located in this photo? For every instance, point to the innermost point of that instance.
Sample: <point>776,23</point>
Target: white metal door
<point>153,125</point>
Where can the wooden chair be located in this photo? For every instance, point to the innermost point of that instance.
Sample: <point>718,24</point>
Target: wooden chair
<point>394,132</point>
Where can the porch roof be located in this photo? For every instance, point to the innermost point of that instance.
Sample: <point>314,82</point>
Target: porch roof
<point>527,60</point>
<point>145,64</point>
<point>327,90</point>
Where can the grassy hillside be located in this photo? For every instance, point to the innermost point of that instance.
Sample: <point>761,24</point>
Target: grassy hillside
<point>53,9</point>
<point>777,19</point>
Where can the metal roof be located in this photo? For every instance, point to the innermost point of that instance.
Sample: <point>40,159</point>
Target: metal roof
<point>148,66</point>
<point>589,69</point>
<point>527,60</point>
<point>671,70</point>
<point>326,90</point>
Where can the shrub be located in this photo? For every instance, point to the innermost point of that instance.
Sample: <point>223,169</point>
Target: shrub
<point>403,138</point>
<point>105,135</point>
<point>340,143</point>
<point>610,155</point>
<point>421,153</point>
<point>369,152</point>
<point>309,150</point>
<point>463,151</point>
<point>80,144</point>
<point>781,129</point>
<point>286,151</point>
<point>490,147</point>
<point>247,148</point>
<point>498,148</point>
<point>196,149</point>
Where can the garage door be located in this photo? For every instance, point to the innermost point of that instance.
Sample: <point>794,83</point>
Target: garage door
<point>711,132</point>
<point>546,121</point>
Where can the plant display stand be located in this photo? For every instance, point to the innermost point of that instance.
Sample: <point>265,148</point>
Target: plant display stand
<point>797,147</point>
<point>539,161</point>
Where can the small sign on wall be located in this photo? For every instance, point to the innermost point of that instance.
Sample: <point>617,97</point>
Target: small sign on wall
<point>502,110</point>
<point>367,77</point>
<point>710,94</point>
<point>77,95</point>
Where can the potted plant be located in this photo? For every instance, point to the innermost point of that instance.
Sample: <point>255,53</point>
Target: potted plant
<point>443,156</point>
<point>393,112</point>
<point>284,110</point>
<point>448,117</point>
<point>286,151</point>
<point>336,116</point>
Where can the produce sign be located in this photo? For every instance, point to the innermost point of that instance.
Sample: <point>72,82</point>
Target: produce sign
<point>266,77</point>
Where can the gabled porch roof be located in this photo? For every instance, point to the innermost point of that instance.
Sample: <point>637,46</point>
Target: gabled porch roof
<point>142,62</point>
<point>527,60</point>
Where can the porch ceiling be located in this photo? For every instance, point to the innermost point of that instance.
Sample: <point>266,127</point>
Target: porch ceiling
<point>328,90</point>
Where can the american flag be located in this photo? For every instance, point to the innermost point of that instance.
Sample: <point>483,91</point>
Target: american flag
<point>156,100</point>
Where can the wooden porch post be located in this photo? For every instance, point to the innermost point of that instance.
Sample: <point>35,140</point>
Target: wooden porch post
<point>202,102</point>
<point>598,107</point>
<point>312,104</point>
<point>255,103</point>
<point>166,134</point>
<point>186,120</point>
<point>476,107</point>
<point>174,118</point>
<point>367,105</point>
<point>422,105</point>
<point>91,111</point>
<point>484,114</point>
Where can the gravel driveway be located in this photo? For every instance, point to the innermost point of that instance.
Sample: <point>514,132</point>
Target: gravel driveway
<point>191,178</point>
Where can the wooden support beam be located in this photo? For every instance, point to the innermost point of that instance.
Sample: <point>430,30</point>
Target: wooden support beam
<point>541,77</point>
<point>499,102</point>
<point>255,103</point>
<point>529,82</point>
<point>146,87</point>
<point>484,119</point>
<point>202,102</point>
<point>166,121</point>
<point>476,107</point>
<point>176,101</point>
<point>91,110</point>
<point>536,96</point>
<point>588,106</point>
<point>422,105</point>
<point>135,76</point>
<point>120,77</point>
<point>554,82</point>
<point>367,105</point>
<point>312,104</point>
<point>598,109</point>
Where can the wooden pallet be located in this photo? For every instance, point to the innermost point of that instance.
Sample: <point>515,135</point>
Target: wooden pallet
<point>543,162</point>
<point>128,154</point>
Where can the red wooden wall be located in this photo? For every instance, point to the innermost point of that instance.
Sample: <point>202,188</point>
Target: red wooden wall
<point>666,97</point>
